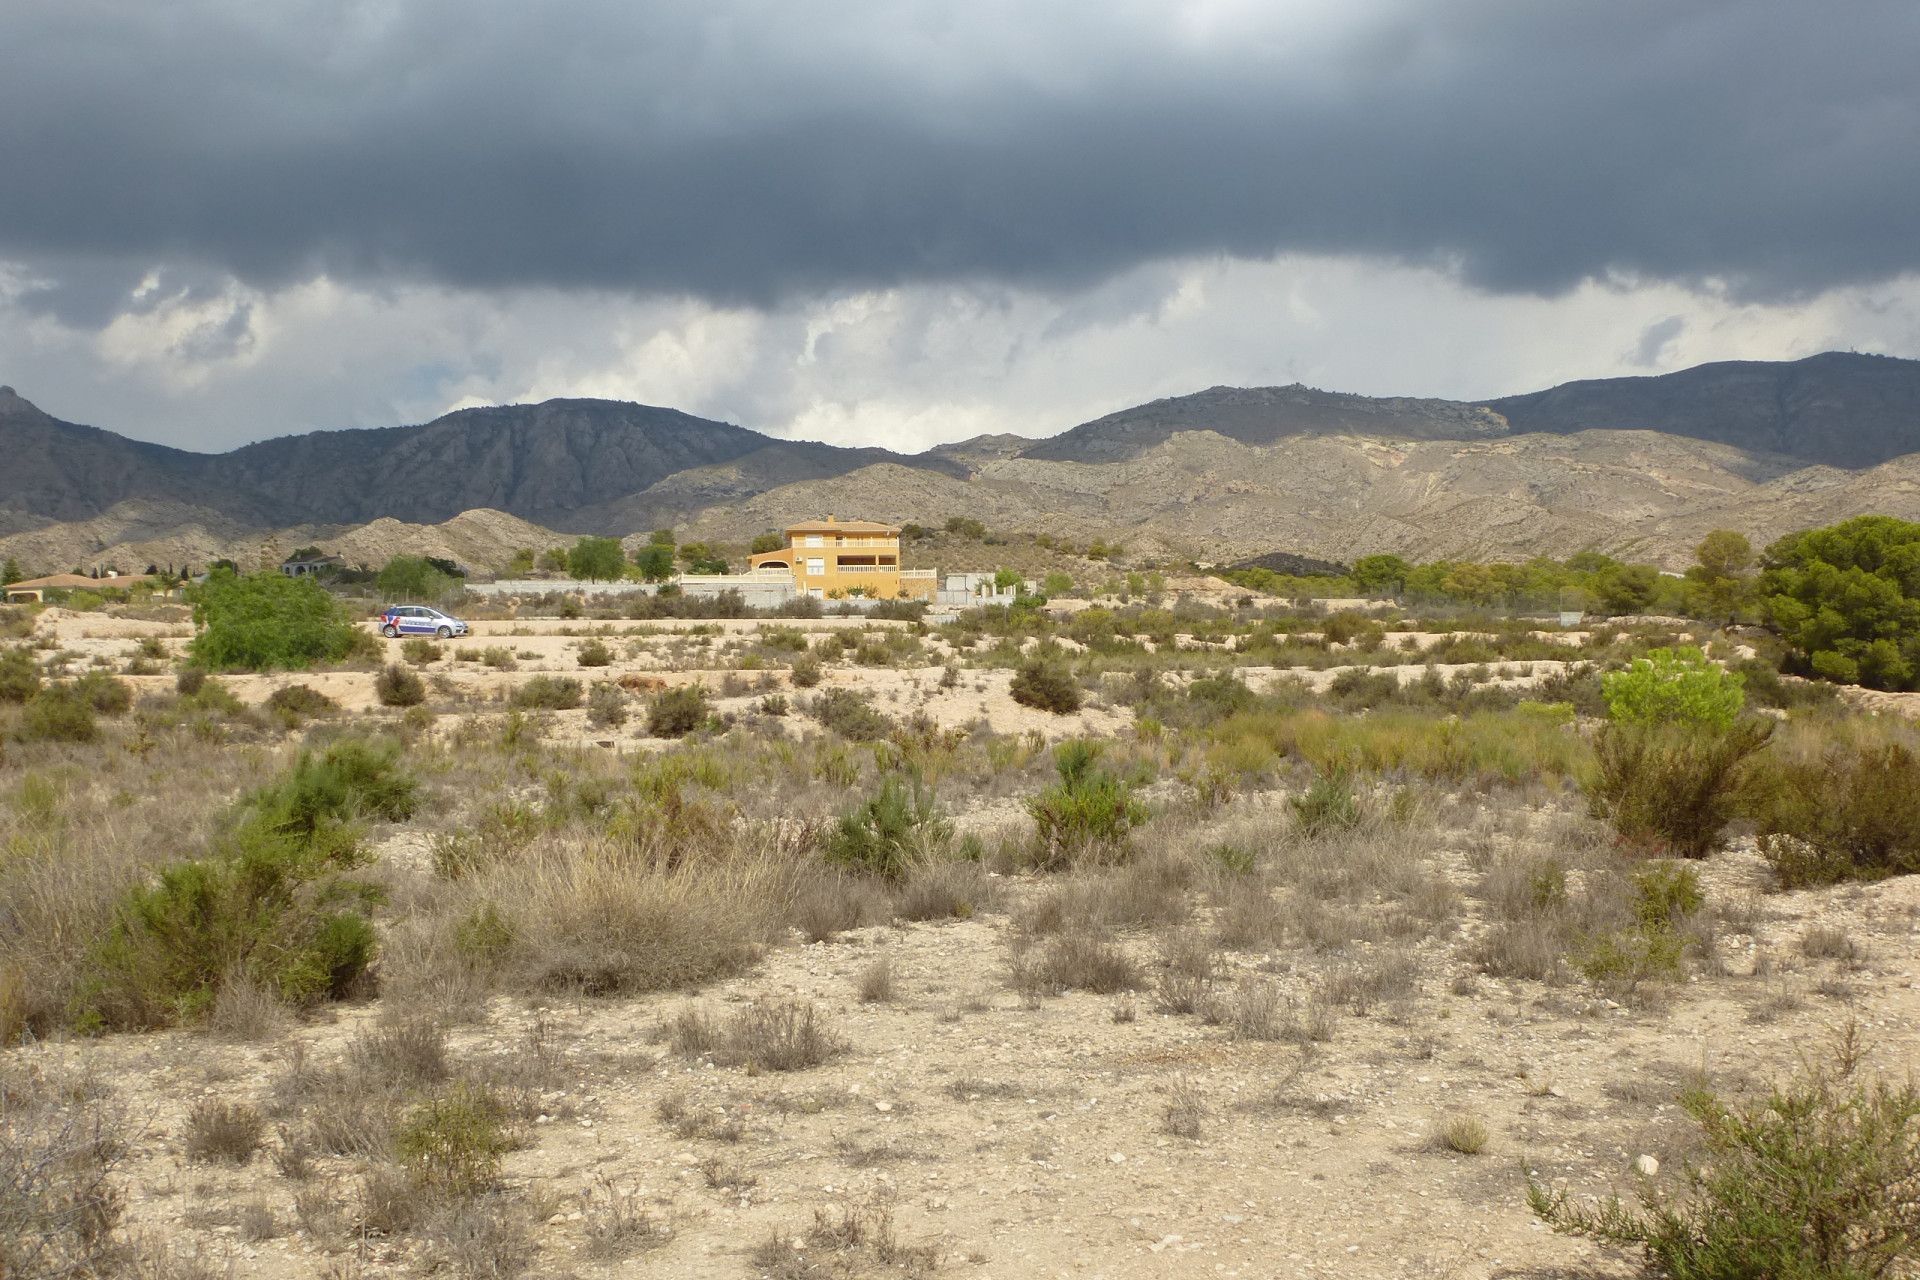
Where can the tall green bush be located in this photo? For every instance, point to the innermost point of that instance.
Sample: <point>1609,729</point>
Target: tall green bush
<point>1673,787</point>
<point>1088,812</point>
<point>19,675</point>
<point>272,902</point>
<point>267,622</point>
<point>415,578</point>
<point>888,832</point>
<point>1675,686</point>
<point>677,712</point>
<point>1852,813</point>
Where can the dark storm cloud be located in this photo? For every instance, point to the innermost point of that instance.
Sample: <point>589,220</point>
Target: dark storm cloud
<point>741,150</point>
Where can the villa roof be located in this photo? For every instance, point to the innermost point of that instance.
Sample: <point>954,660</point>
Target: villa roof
<point>830,525</point>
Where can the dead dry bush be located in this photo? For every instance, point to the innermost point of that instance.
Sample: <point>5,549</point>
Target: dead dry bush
<point>245,1010</point>
<point>1360,987</point>
<point>488,1236</point>
<point>826,901</point>
<point>1076,960</point>
<point>853,1239</point>
<point>220,1130</point>
<point>1185,1115</point>
<point>875,983</point>
<point>1149,893</point>
<point>787,1036</point>
<point>60,1202</point>
<point>618,1224</point>
<point>1377,865</point>
<point>592,918</point>
<point>400,1052</point>
<point>1536,915</point>
<point>951,890</point>
<point>1184,983</point>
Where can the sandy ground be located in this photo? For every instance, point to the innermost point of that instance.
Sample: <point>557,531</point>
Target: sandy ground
<point>1025,1142</point>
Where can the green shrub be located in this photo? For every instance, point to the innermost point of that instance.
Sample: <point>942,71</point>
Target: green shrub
<point>485,936</point>
<point>606,705</point>
<point>396,686</point>
<point>188,681</point>
<point>677,712</point>
<point>19,675</point>
<point>212,695</point>
<point>1234,859</point>
<point>1088,811</point>
<point>595,654</point>
<point>1327,805</point>
<point>1673,786</point>
<point>548,693</point>
<point>806,672</point>
<point>106,695</point>
<point>1665,894</point>
<point>271,903</point>
<point>267,622</point>
<point>850,715</point>
<point>1675,686</point>
<point>889,832</point>
<point>1851,814</point>
<point>1846,599</point>
<point>497,658</point>
<point>59,713</point>
<point>420,651</point>
<point>300,702</point>
<point>452,1144</point>
<point>1813,1182</point>
<point>1046,684</point>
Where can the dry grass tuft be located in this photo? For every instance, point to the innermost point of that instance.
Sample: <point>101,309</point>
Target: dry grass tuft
<point>1460,1132</point>
<point>617,1224</point>
<point>788,1036</point>
<point>1185,1114</point>
<point>1828,942</point>
<point>1073,961</point>
<point>875,983</point>
<point>229,1131</point>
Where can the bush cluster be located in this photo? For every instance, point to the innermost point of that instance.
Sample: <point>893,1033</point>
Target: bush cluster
<point>271,903</point>
<point>1852,813</point>
<point>1088,812</point>
<point>896,827</point>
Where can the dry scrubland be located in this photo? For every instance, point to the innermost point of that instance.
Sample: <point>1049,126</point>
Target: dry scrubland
<point>829,988</point>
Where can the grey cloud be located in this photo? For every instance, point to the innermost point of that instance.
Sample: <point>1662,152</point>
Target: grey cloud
<point>742,150</point>
<point>1655,339</point>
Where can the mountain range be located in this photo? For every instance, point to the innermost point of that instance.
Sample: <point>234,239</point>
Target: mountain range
<point>1621,463</point>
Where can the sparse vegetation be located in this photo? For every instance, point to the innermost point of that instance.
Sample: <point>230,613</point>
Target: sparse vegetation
<point>1377,888</point>
<point>1813,1180</point>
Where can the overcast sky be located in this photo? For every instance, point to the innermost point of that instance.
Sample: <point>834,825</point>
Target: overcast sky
<point>901,223</point>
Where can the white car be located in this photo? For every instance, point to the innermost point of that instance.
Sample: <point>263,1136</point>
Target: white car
<point>418,620</point>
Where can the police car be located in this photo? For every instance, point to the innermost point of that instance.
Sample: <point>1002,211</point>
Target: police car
<point>418,620</point>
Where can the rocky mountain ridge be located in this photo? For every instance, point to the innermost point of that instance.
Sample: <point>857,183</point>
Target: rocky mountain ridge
<point>1224,474</point>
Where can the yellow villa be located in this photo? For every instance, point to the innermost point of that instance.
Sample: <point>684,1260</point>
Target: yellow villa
<point>839,558</point>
